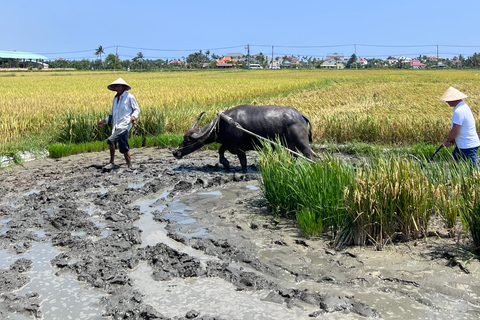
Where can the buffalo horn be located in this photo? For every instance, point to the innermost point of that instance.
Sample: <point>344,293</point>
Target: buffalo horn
<point>198,119</point>
<point>203,132</point>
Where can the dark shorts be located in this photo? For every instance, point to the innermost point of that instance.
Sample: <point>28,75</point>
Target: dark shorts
<point>469,155</point>
<point>120,138</point>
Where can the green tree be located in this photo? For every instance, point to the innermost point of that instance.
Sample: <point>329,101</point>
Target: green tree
<point>195,60</point>
<point>473,61</point>
<point>352,61</point>
<point>262,60</point>
<point>112,62</point>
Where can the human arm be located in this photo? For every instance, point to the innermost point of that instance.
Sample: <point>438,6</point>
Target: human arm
<point>452,134</point>
<point>135,109</point>
<point>103,122</point>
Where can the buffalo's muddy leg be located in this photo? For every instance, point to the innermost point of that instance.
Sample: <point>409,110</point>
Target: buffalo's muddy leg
<point>242,156</point>
<point>223,160</point>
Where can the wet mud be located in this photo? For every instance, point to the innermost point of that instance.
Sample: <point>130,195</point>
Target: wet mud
<point>185,239</point>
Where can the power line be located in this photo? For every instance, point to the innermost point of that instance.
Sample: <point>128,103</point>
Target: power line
<point>180,50</point>
<point>290,48</point>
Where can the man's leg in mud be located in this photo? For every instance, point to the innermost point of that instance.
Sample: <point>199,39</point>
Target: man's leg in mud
<point>112,152</point>
<point>128,159</point>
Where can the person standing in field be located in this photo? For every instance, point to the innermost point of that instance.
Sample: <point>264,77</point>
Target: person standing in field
<point>463,130</point>
<point>124,114</point>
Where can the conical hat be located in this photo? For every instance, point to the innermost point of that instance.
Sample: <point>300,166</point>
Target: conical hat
<point>111,86</point>
<point>452,94</point>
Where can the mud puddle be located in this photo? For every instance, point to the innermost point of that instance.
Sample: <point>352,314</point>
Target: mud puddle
<point>59,297</point>
<point>178,239</point>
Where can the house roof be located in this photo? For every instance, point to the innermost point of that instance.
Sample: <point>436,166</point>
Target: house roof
<point>21,55</point>
<point>234,55</point>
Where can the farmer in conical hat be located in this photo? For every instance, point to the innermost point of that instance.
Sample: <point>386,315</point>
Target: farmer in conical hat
<point>124,114</point>
<point>463,131</point>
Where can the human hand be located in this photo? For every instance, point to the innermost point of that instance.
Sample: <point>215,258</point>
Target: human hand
<point>101,123</point>
<point>134,121</point>
<point>448,143</point>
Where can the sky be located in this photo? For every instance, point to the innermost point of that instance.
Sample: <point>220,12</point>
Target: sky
<point>160,29</point>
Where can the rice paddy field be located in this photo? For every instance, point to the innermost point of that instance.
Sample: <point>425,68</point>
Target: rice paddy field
<point>387,199</point>
<point>397,107</point>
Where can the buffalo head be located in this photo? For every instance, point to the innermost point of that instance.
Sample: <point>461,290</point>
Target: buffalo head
<point>194,138</point>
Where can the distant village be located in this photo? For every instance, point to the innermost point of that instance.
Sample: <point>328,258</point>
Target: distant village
<point>200,60</point>
<point>335,61</point>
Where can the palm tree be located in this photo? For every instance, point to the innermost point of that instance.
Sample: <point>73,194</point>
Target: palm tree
<point>99,52</point>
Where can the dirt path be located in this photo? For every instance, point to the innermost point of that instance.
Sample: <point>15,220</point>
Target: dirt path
<point>184,239</point>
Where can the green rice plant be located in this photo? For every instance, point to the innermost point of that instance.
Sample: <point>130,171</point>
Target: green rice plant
<point>80,127</point>
<point>447,203</point>
<point>59,150</point>
<point>277,170</point>
<point>164,140</point>
<point>151,122</point>
<point>312,192</point>
<point>388,200</point>
<point>309,222</point>
<point>320,187</point>
<point>470,205</point>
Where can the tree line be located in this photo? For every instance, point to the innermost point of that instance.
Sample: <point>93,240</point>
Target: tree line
<point>198,60</point>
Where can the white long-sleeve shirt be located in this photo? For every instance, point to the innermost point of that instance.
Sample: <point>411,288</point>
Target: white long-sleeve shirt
<point>122,111</point>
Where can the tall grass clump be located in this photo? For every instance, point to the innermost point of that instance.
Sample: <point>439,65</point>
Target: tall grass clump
<point>390,199</point>
<point>311,192</point>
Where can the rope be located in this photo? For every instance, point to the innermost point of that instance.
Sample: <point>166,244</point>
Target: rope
<point>144,130</point>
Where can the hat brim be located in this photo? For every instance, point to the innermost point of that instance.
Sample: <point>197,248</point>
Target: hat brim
<point>112,86</point>
<point>452,94</point>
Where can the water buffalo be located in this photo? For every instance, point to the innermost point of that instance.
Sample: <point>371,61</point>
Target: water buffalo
<point>286,123</point>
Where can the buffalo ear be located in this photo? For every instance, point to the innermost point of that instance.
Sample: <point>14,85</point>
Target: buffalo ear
<point>198,119</point>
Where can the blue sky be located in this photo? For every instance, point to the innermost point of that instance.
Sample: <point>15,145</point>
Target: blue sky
<point>172,29</point>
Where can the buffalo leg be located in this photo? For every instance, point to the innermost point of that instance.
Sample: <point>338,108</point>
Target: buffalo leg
<point>222,159</point>
<point>242,156</point>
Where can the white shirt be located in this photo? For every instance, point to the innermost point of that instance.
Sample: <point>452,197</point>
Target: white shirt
<point>467,136</point>
<point>122,111</point>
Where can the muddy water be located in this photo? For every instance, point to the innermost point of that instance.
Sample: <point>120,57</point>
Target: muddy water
<point>180,239</point>
<point>391,300</point>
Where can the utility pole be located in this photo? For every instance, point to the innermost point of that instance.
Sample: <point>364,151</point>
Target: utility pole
<point>356,58</point>
<point>115,61</point>
<point>248,56</point>
<point>437,56</point>
<point>271,63</point>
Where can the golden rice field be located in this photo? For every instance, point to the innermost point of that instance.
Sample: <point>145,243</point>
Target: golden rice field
<point>378,106</point>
